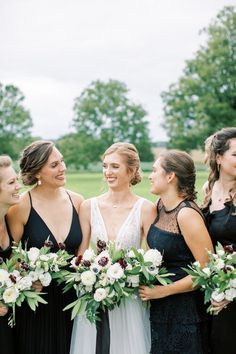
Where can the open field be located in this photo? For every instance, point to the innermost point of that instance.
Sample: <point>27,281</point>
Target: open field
<point>91,184</point>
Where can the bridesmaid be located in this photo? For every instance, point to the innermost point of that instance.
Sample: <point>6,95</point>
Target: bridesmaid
<point>9,195</point>
<point>179,323</point>
<point>220,213</point>
<point>47,210</point>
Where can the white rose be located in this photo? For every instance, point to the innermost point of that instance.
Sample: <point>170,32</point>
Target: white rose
<point>10,295</point>
<point>219,264</point>
<point>133,280</point>
<point>88,278</point>
<point>114,272</point>
<point>34,276</point>
<point>153,256</point>
<point>3,276</point>
<point>207,271</point>
<point>217,296</point>
<point>45,279</point>
<point>88,255</point>
<point>33,254</point>
<point>232,283</point>
<point>220,253</point>
<point>24,283</point>
<point>230,294</point>
<point>100,294</point>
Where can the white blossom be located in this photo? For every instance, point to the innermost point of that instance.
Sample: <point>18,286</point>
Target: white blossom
<point>133,280</point>
<point>217,296</point>
<point>153,256</point>
<point>10,295</point>
<point>115,272</point>
<point>33,254</point>
<point>100,294</point>
<point>88,255</point>
<point>88,278</point>
<point>230,294</point>
<point>45,279</point>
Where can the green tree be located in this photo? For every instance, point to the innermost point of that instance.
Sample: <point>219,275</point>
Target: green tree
<point>204,98</point>
<point>15,121</point>
<point>104,114</point>
<point>78,149</point>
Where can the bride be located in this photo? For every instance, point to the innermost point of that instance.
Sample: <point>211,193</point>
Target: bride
<point>123,217</point>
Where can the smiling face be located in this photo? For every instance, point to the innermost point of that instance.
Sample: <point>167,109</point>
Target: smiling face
<point>115,171</point>
<point>53,172</point>
<point>9,186</point>
<point>158,178</point>
<point>227,161</point>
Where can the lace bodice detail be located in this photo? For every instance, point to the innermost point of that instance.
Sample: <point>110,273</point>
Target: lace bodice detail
<point>167,219</point>
<point>129,234</point>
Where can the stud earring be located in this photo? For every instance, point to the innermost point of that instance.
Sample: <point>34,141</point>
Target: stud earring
<point>39,182</point>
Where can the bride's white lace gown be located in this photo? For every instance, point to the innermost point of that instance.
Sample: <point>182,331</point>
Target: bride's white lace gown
<point>129,323</point>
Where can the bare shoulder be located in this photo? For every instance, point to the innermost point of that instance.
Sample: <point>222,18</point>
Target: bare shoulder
<point>187,214</point>
<point>20,210</point>
<point>149,210</point>
<point>77,199</point>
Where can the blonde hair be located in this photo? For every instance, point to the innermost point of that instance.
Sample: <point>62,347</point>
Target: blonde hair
<point>5,161</point>
<point>131,158</point>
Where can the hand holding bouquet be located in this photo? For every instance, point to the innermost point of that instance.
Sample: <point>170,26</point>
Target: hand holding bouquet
<point>39,263</point>
<point>16,288</point>
<point>218,278</point>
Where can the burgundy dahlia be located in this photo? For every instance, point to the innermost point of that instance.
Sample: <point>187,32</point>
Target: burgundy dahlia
<point>61,246</point>
<point>86,263</point>
<point>48,244</point>
<point>122,263</point>
<point>229,248</point>
<point>13,278</point>
<point>103,261</point>
<point>101,246</point>
<point>78,260</point>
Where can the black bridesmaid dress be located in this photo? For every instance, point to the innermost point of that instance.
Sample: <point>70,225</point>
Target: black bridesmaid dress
<point>48,329</point>
<point>222,228</point>
<point>6,332</point>
<point>179,323</point>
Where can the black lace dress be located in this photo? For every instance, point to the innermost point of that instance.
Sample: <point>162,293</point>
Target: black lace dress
<point>222,228</point>
<point>6,332</point>
<point>179,323</point>
<point>48,330</point>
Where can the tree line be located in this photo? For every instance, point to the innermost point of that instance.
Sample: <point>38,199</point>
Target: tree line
<point>202,101</point>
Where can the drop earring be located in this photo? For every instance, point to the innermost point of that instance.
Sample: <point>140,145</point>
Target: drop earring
<point>39,182</point>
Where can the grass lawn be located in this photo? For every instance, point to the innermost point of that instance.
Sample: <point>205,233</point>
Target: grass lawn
<point>91,184</point>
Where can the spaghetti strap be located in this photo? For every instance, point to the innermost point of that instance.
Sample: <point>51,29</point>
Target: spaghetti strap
<point>30,199</point>
<point>70,198</point>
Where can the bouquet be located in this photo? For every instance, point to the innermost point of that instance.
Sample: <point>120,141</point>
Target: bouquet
<point>99,280</point>
<point>39,263</point>
<point>16,288</point>
<point>110,275</point>
<point>144,268</point>
<point>218,278</point>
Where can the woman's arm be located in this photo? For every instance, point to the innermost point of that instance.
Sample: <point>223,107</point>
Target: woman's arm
<point>84,214</point>
<point>148,215</point>
<point>198,240</point>
<point>17,217</point>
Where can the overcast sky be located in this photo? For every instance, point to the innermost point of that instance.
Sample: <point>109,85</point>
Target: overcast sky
<point>53,49</point>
